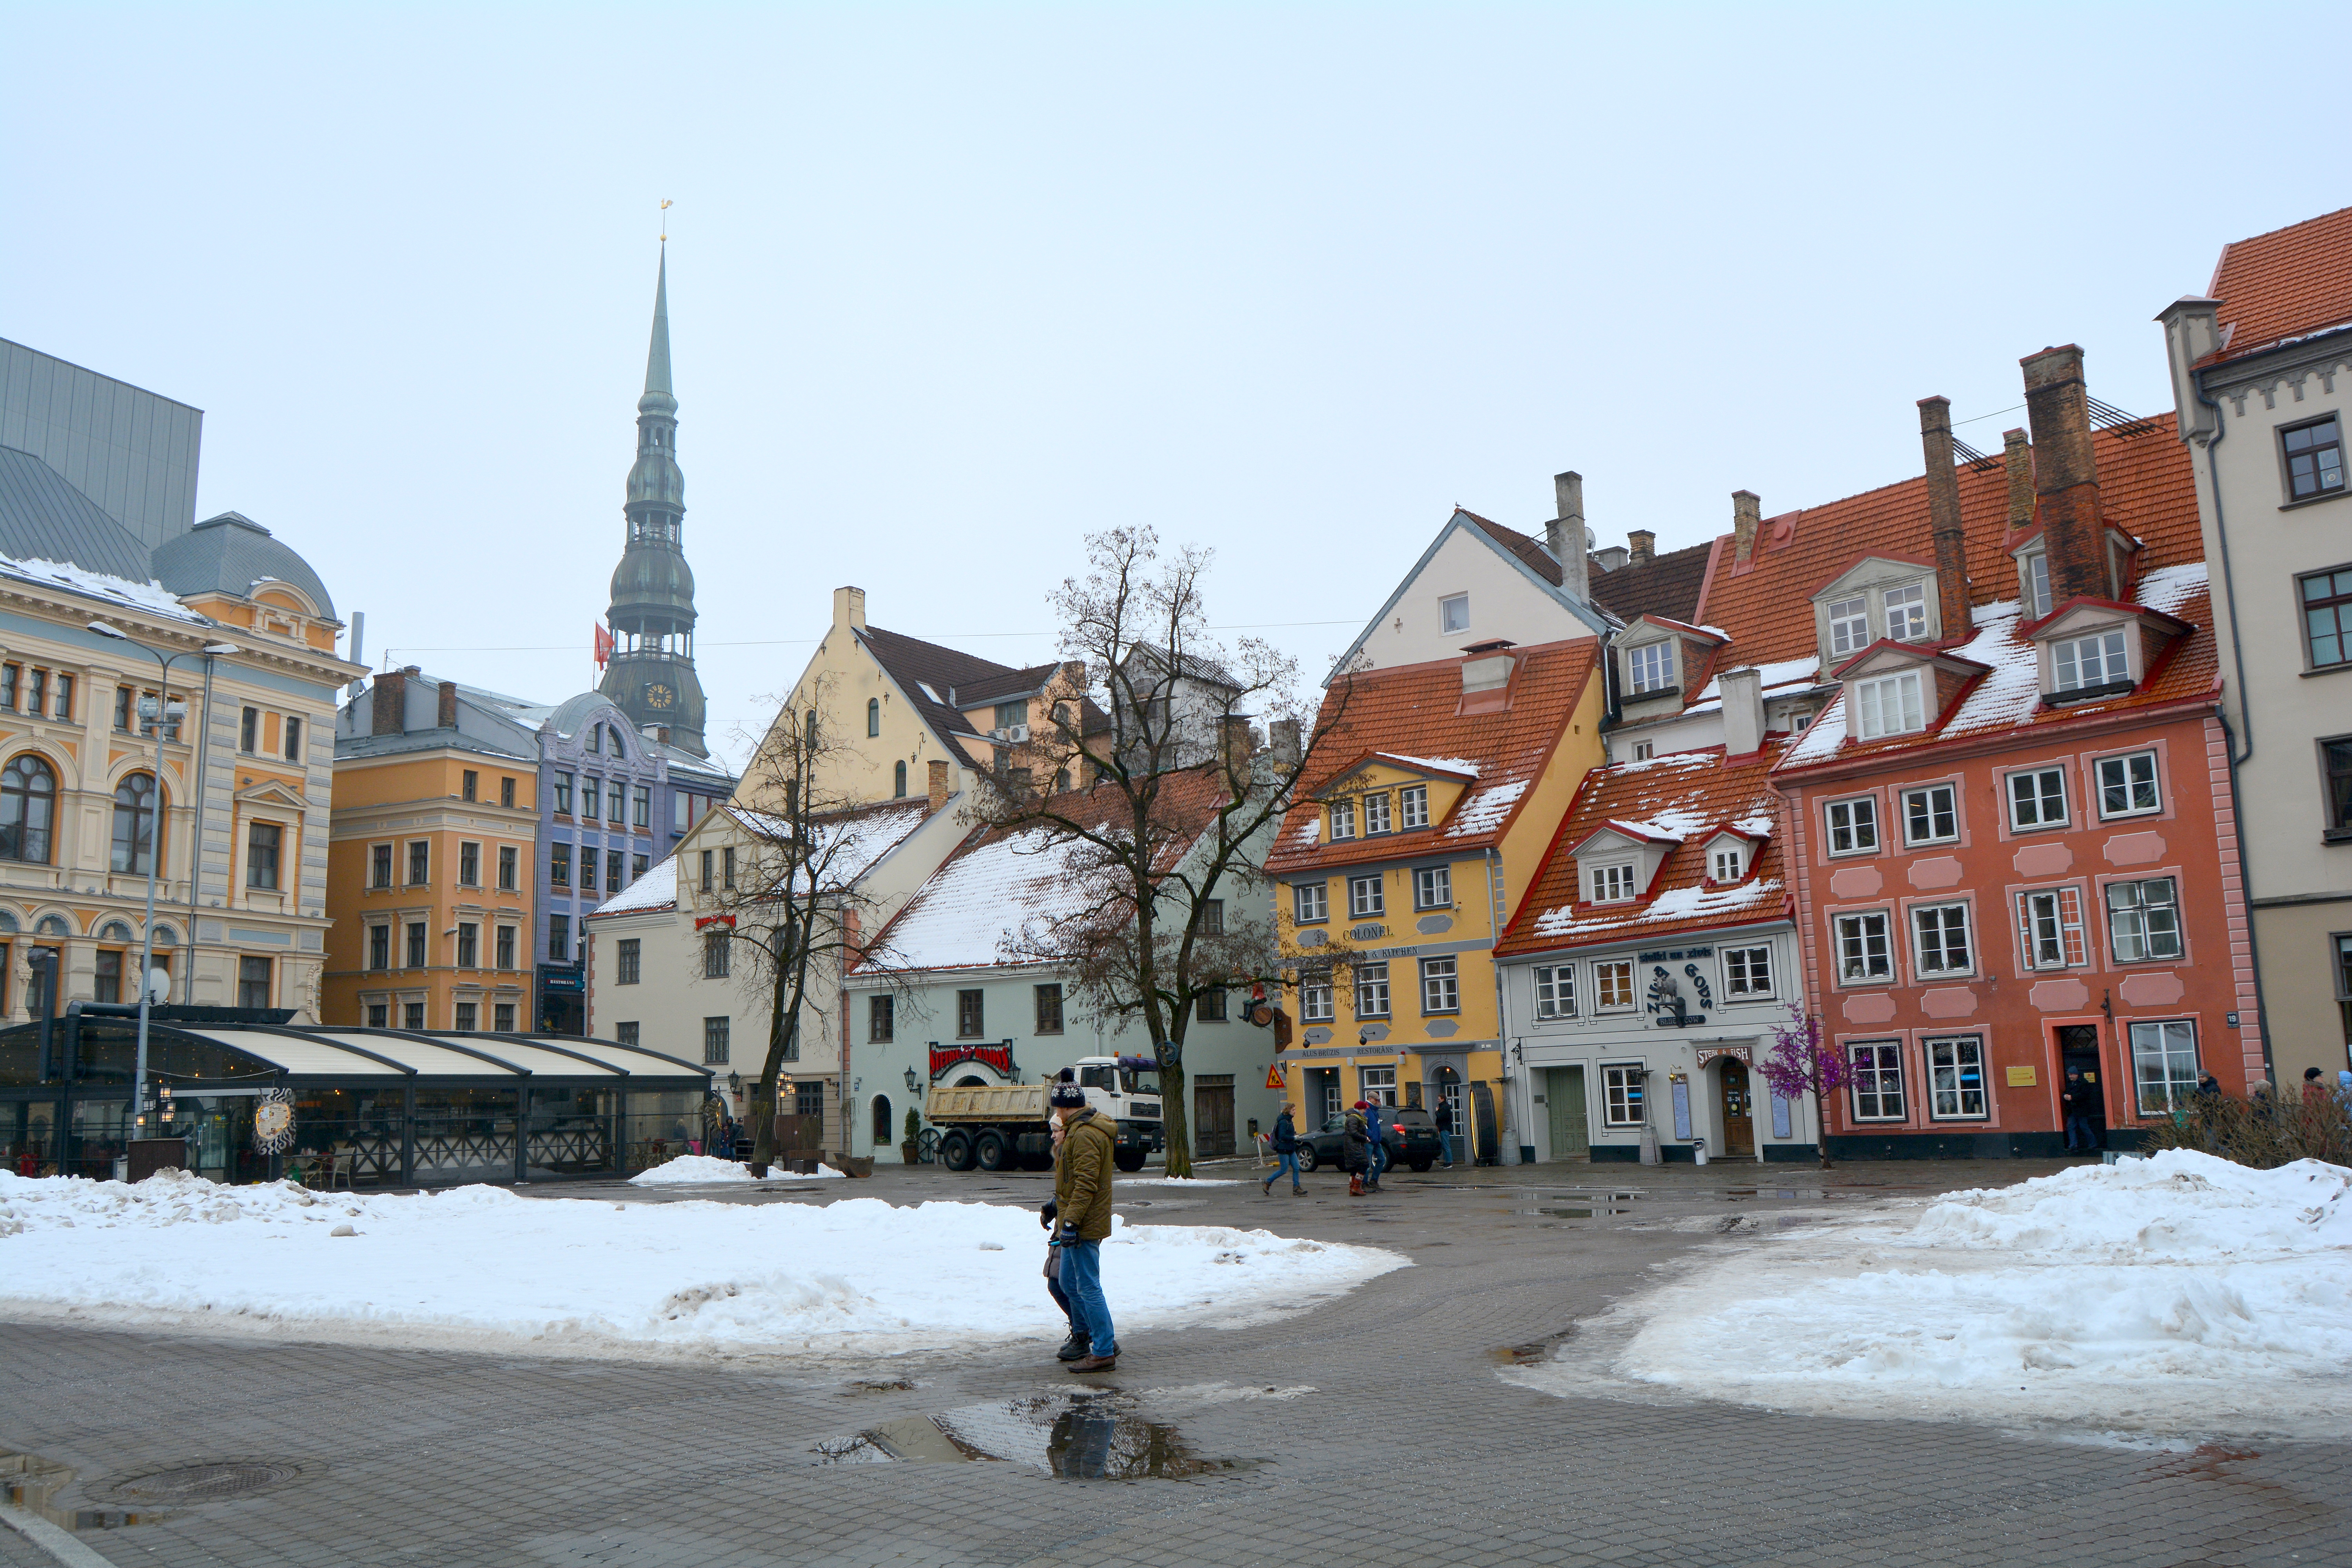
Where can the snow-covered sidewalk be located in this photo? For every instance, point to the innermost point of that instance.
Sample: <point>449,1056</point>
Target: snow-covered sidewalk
<point>2176,1295</point>
<point>484,1268</point>
<point>709,1170</point>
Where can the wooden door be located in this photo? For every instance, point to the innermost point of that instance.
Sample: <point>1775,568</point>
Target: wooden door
<point>1213,1115</point>
<point>1738,1110</point>
<point>1564,1099</point>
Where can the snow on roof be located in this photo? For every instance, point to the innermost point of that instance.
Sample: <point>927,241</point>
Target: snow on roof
<point>656,889</point>
<point>151,597</point>
<point>1683,903</point>
<point>979,900</point>
<point>850,844</point>
<point>1437,764</point>
<point>1827,733</point>
<point>1777,673</point>
<point>1485,811</point>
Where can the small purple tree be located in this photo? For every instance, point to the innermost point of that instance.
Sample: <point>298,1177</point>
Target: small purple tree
<point>1800,1064</point>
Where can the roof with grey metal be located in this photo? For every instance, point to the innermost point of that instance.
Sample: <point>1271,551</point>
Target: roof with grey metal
<point>43,518</point>
<point>230,555</point>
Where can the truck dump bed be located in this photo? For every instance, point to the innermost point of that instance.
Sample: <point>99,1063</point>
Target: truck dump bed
<point>994,1102</point>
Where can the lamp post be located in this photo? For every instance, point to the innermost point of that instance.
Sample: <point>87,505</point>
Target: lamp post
<point>154,846</point>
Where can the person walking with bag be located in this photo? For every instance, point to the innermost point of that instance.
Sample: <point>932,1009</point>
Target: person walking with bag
<point>1078,1344</point>
<point>1357,1156</point>
<point>1286,1152</point>
<point>1082,1199</point>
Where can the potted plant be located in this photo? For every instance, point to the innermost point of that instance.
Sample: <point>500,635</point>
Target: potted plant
<point>911,1151</point>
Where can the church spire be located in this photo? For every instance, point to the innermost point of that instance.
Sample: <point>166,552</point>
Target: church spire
<point>657,351</point>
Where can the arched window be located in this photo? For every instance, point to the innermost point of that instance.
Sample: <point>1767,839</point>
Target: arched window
<point>874,716</point>
<point>28,801</point>
<point>899,779</point>
<point>135,824</point>
<point>115,931</point>
<point>884,1133</point>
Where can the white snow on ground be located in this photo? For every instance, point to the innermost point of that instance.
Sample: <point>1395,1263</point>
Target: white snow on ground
<point>1174,1182</point>
<point>485,1267</point>
<point>689,1170</point>
<point>2178,1295</point>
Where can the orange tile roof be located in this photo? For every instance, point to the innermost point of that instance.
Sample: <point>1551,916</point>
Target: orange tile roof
<point>2281,284</point>
<point>1687,795</point>
<point>2146,488</point>
<point>1415,709</point>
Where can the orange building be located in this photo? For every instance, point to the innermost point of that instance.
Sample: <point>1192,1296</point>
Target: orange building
<point>429,880</point>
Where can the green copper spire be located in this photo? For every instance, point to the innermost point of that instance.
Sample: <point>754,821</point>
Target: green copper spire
<point>657,351</point>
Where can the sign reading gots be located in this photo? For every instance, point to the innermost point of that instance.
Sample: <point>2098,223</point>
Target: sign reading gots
<point>944,1058</point>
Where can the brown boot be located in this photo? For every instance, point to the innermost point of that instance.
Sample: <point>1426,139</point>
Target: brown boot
<point>1094,1363</point>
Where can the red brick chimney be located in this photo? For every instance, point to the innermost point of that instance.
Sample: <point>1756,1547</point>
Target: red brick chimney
<point>1944,514</point>
<point>1644,543</point>
<point>446,716</point>
<point>1747,516</point>
<point>388,708</point>
<point>938,784</point>
<point>2017,460</point>
<point>2066,473</point>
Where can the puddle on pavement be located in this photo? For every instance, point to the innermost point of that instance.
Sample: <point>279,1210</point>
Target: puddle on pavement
<point>1575,1211</point>
<point>879,1385</point>
<point>1076,1437</point>
<point>30,1482</point>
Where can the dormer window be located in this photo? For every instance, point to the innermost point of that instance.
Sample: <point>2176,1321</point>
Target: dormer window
<point>1376,812</point>
<point>2036,577</point>
<point>1907,613</point>
<point>1729,864</point>
<point>1343,820</point>
<point>1651,666</point>
<point>1888,705</point>
<point>1413,804</point>
<point>1848,626</point>
<point>2095,660</point>
<point>1612,884</point>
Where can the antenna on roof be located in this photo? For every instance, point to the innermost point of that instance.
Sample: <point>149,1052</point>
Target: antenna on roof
<point>1974,459</point>
<point>2107,416</point>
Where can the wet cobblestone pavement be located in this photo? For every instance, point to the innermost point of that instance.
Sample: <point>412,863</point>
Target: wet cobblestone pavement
<point>1369,1430</point>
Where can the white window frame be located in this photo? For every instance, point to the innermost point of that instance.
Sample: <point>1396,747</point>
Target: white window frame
<point>2049,928</point>
<point>1373,989</point>
<point>1855,820</point>
<point>1864,940</point>
<point>1923,801</point>
<point>1310,903</point>
<point>1412,806</point>
<point>1747,972</point>
<point>1936,930</point>
<point>1603,973</point>
<point>1376,812</point>
<point>1432,888</point>
<point>1885,1068</point>
<point>2104,652</point>
<point>1367,896</point>
<point>2128,770</point>
<point>1650,667</point>
<point>1644,749</point>
<point>1623,1094</point>
<point>1887,705</point>
<point>1729,865</point>
<point>1613,883</point>
<point>1910,601</point>
<point>2143,923</point>
<point>2162,1044</point>
<point>1949,1097</point>
<point>1440,986</point>
<point>1315,1000</point>
<point>1453,614</point>
<point>2037,585</point>
<point>1849,621</point>
<point>2039,798</point>
<point>1343,821</point>
<point>1555,986</point>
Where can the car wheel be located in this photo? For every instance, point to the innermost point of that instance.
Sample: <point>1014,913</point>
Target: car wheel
<point>1307,1160</point>
<point>1421,1165</point>
<point>988,1151</point>
<point>955,1151</point>
<point>1133,1161</point>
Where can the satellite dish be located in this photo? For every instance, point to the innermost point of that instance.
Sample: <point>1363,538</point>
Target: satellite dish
<point>159,984</point>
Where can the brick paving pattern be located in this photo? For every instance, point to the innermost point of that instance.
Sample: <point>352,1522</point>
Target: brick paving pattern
<point>1411,1450</point>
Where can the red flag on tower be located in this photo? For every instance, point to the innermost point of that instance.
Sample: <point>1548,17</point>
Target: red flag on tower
<point>604,646</point>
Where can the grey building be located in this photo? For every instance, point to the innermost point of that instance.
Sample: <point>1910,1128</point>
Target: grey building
<point>129,451</point>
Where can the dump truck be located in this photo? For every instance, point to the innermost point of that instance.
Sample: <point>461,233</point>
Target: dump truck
<point>1003,1127</point>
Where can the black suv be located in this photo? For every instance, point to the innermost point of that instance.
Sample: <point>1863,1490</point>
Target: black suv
<point>1412,1139</point>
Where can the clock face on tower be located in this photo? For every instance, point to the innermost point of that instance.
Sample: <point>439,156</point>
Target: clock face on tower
<point>659,696</point>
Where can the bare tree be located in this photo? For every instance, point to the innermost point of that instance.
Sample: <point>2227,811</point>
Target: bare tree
<point>1164,839</point>
<point>785,912</point>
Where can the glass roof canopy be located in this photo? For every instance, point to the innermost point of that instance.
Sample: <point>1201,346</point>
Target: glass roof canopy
<point>187,1052</point>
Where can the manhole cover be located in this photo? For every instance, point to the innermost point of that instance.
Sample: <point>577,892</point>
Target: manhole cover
<point>212,1482</point>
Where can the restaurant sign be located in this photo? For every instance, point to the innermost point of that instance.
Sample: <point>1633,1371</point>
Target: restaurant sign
<point>945,1058</point>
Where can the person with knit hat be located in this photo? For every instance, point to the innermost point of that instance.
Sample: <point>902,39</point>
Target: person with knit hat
<point>1082,1198</point>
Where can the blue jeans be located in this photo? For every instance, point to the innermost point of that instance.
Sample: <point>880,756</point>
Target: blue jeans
<point>2080,1125</point>
<point>1380,1158</point>
<point>1445,1144</point>
<point>1082,1282</point>
<point>1286,1160</point>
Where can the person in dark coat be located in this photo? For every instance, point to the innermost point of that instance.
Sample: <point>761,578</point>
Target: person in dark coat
<point>2208,1086</point>
<point>1286,1153</point>
<point>2077,1098</point>
<point>1444,1119</point>
<point>1357,1137</point>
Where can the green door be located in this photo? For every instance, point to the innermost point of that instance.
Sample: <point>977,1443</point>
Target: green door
<point>1564,1099</point>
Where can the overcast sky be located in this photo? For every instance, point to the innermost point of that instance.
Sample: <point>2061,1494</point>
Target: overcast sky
<point>950,287</point>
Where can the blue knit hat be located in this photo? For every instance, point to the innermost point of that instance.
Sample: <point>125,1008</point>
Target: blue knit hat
<point>1067,1092</point>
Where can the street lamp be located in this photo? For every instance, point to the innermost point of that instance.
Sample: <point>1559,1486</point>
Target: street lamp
<point>911,1084</point>
<point>154,846</point>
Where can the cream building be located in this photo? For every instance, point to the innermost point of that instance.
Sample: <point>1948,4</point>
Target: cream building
<point>2261,377</point>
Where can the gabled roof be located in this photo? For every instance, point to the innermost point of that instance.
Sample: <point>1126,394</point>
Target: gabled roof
<point>1671,584</point>
<point>2285,284</point>
<point>1912,653</point>
<point>2170,623</point>
<point>649,894</point>
<point>914,664</point>
<point>1419,706</point>
<point>1527,557</point>
<point>849,844</point>
<point>2146,489</point>
<point>1000,878</point>
<point>1693,797</point>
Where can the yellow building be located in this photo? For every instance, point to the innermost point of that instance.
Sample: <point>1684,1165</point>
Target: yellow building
<point>1432,799</point>
<point>429,879</point>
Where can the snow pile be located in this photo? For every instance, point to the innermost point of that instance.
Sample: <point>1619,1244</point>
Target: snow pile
<point>149,596</point>
<point>689,1170</point>
<point>1487,810</point>
<point>2180,1294</point>
<point>486,1267</point>
<point>1175,1181</point>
